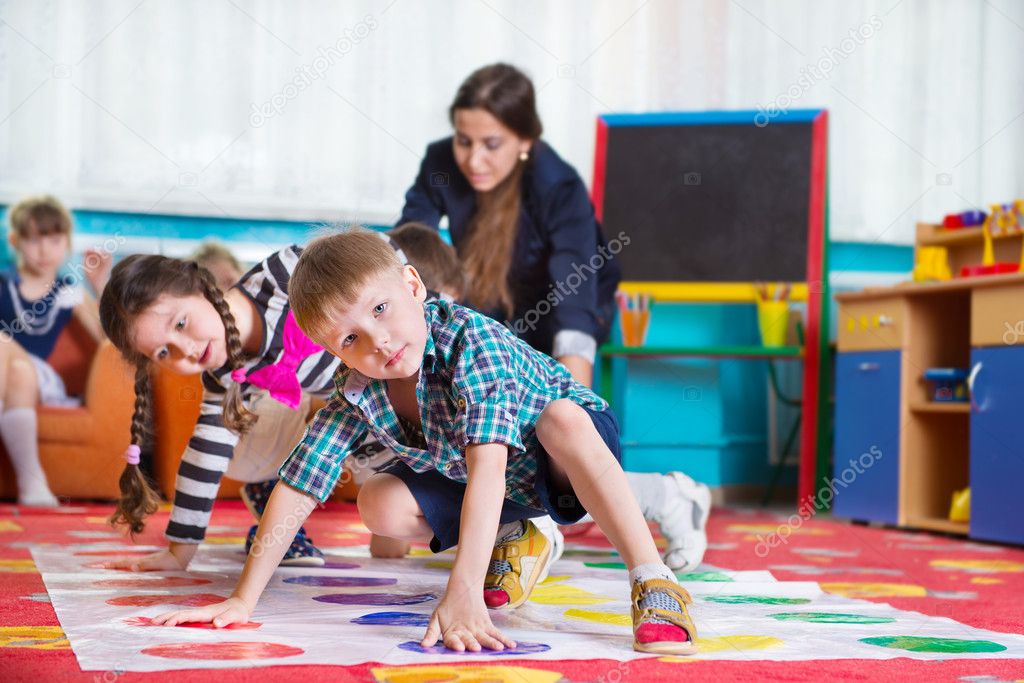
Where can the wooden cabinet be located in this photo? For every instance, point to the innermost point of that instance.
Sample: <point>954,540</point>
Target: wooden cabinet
<point>865,473</point>
<point>941,447</point>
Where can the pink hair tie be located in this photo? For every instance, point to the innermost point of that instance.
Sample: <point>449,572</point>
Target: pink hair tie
<point>238,375</point>
<point>131,455</point>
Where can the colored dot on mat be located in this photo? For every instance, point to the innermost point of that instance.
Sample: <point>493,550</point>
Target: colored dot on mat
<point>703,576</point>
<point>922,644</point>
<point>146,621</point>
<point>985,580</point>
<point>743,642</point>
<point>18,566</point>
<point>610,618</point>
<point>341,565</point>
<point>520,649</point>
<point>980,566</point>
<point>874,590</point>
<point>439,564</point>
<point>190,600</point>
<point>156,582</point>
<point>226,650</point>
<point>495,673</point>
<point>830,618</point>
<point>340,581</point>
<point>564,594</point>
<point>754,600</point>
<point>393,619</point>
<point>374,598</point>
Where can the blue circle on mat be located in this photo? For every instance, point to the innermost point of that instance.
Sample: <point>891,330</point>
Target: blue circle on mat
<point>374,598</point>
<point>519,649</point>
<point>340,581</point>
<point>393,619</point>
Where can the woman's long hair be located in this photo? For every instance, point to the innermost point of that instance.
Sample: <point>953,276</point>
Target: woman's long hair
<point>506,94</point>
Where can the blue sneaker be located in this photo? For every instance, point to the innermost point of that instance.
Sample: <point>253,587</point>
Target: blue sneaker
<point>301,553</point>
<point>255,496</point>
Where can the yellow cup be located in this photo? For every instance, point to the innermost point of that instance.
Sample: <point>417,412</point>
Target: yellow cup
<point>773,319</point>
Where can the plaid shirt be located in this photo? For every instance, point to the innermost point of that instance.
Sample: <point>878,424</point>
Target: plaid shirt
<point>478,384</point>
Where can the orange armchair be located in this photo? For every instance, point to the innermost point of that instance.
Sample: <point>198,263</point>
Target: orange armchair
<point>81,448</point>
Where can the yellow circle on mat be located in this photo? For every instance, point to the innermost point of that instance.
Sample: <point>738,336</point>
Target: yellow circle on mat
<point>10,525</point>
<point>564,594</point>
<point>722,643</point>
<point>980,565</point>
<point>874,590</point>
<point>985,580</point>
<point>18,566</point>
<point>224,540</point>
<point>35,637</point>
<point>464,674</point>
<point>774,528</point>
<point>610,618</point>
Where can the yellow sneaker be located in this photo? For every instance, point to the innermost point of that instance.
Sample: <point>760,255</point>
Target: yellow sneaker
<point>661,624</point>
<point>515,568</point>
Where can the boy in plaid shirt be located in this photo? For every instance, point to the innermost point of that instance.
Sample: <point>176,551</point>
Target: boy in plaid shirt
<point>489,433</point>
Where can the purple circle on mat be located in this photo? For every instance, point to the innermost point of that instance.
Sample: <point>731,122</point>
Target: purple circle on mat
<point>340,581</point>
<point>519,649</point>
<point>374,598</point>
<point>393,619</point>
<point>340,565</point>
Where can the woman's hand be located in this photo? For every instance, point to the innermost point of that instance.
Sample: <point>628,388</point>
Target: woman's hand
<point>231,611</point>
<point>462,623</point>
<point>174,558</point>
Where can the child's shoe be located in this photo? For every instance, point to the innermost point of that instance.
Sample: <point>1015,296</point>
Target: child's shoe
<point>256,495</point>
<point>683,522</point>
<point>661,624</point>
<point>516,567</point>
<point>301,553</point>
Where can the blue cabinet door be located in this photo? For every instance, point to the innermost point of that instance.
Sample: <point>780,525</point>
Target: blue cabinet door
<point>997,444</point>
<point>865,466</point>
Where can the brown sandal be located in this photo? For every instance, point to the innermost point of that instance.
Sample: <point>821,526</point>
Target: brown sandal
<point>641,589</point>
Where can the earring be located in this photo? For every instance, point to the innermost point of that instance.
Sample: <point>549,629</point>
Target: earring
<point>524,155</point>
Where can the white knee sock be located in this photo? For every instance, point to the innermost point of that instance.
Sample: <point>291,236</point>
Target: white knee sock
<point>20,437</point>
<point>649,490</point>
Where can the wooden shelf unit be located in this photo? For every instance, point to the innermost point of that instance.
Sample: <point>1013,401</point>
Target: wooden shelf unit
<point>965,245</point>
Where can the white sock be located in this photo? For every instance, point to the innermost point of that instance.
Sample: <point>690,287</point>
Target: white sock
<point>510,531</point>
<point>20,437</point>
<point>654,570</point>
<point>649,490</point>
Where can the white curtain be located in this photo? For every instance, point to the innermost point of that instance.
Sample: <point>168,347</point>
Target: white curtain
<point>320,110</point>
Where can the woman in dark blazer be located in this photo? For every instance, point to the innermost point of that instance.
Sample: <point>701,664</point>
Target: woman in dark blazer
<point>524,228</point>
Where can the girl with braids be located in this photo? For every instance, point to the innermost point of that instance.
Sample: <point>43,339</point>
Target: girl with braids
<point>534,255</point>
<point>169,312</point>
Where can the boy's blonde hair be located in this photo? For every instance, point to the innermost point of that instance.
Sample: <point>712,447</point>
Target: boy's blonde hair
<point>212,251</point>
<point>434,259</point>
<point>332,272</point>
<point>39,215</point>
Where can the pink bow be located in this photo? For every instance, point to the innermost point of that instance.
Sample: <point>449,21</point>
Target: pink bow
<point>279,378</point>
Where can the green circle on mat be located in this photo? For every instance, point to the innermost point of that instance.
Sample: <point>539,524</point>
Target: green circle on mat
<point>921,644</point>
<point>682,576</point>
<point>755,600</point>
<point>830,618</point>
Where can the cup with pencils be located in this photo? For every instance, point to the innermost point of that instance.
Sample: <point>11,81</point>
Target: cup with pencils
<point>634,317</point>
<point>772,312</point>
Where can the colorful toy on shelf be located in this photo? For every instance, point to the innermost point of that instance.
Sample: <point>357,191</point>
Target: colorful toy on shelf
<point>932,264</point>
<point>1000,222</point>
<point>949,385</point>
<point>960,506</point>
<point>634,317</point>
<point>964,219</point>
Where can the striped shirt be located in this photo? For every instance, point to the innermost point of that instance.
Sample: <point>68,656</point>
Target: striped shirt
<point>212,444</point>
<point>478,384</point>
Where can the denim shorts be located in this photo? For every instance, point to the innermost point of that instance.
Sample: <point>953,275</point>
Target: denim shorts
<point>440,498</point>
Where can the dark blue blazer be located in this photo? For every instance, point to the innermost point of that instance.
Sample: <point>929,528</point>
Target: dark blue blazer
<point>563,275</point>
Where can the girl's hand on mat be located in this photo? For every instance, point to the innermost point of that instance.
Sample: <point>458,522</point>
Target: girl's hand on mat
<point>231,611</point>
<point>162,560</point>
<point>462,623</point>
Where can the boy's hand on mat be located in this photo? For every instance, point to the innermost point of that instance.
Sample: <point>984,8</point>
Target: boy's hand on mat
<point>162,560</point>
<point>231,611</point>
<point>462,623</point>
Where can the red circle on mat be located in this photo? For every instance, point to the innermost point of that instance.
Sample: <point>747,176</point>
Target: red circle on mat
<point>147,621</point>
<point>189,600</point>
<point>114,553</point>
<point>155,582</point>
<point>229,650</point>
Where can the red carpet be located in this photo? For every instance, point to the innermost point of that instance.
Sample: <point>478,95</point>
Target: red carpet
<point>979,585</point>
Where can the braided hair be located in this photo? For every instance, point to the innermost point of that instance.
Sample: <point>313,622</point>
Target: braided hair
<point>135,284</point>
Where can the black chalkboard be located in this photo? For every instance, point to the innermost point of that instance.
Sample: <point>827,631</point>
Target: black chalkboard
<point>709,202</point>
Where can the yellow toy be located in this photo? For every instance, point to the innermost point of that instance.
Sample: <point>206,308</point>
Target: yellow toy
<point>932,264</point>
<point>960,507</point>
